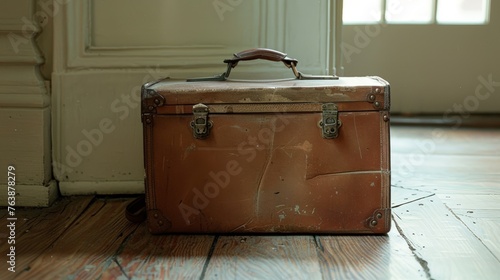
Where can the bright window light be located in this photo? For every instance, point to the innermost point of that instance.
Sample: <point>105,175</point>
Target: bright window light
<point>362,11</point>
<point>462,11</point>
<point>408,11</point>
<point>416,11</point>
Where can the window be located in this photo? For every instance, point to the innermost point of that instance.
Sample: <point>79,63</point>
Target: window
<point>416,11</point>
<point>362,11</point>
<point>462,12</point>
<point>408,11</point>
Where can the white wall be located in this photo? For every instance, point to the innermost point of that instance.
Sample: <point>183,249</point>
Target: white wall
<point>432,68</point>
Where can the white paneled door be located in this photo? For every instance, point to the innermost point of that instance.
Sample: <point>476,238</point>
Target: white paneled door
<point>105,50</point>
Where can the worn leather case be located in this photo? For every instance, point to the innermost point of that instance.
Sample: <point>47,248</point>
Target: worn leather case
<point>303,155</point>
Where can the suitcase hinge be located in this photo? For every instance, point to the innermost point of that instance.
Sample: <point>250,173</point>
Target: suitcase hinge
<point>330,122</point>
<point>150,101</point>
<point>200,124</point>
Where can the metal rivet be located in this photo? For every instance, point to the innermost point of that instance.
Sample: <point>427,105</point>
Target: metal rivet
<point>379,215</point>
<point>150,108</point>
<point>160,223</point>
<point>373,223</point>
<point>371,97</point>
<point>376,104</point>
<point>377,90</point>
<point>155,215</point>
<point>386,118</point>
<point>157,101</point>
<point>149,121</point>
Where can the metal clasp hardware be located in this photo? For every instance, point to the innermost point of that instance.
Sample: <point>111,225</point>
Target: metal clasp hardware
<point>200,123</point>
<point>330,122</point>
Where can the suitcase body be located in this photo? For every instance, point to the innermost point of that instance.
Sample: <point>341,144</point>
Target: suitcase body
<point>288,156</point>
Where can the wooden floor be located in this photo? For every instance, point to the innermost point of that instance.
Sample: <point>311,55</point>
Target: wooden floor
<point>446,213</point>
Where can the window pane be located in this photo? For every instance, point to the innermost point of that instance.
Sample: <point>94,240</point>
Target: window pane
<point>463,11</point>
<point>408,11</point>
<point>362,11</point>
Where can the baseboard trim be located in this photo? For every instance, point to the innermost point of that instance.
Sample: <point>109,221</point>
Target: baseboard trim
<point>473,120</point>
<point>31,195</point>
<point>101,188</point>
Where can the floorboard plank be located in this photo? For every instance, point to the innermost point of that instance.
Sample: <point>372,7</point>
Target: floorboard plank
<point>471,202</point>
<point>264,257</point>
<point>114,271</point>
<point>368,257</point>
<point>445,141</point>
<point>38,228</point>
<point>479,213</point>
<point>447,247</point>
<point>464,166</point>
<point>147,256</point>
<point>446,160</point>
<point>447,174</point>
<point>438,185</point>
<point>400,196</point>
<point>87,249</point>
<point>485,224</point>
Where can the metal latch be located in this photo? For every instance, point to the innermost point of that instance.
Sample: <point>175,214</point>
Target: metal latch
<point>200,123</point>
<point>330,122</point>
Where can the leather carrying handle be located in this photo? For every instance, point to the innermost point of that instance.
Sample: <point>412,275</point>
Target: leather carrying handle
<point>262,53</point>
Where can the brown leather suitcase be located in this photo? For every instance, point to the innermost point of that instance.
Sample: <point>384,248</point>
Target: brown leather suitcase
<point>303,155</point>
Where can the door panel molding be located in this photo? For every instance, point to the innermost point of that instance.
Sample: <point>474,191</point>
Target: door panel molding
<point>82,53</point>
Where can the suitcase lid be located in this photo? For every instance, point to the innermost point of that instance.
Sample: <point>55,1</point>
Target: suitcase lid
<point>348,93</point>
